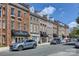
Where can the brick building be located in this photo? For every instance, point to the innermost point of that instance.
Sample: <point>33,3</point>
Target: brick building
<point>60,29</point>
<point>14,22</point>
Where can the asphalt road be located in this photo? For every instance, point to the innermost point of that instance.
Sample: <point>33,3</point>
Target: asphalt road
<point>45,50</point>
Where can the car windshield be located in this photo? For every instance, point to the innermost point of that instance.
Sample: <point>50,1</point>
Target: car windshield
<point>29,40</point>
<point>77,40</point>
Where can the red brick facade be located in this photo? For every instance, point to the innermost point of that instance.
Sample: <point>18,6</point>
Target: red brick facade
<point>6,16</point>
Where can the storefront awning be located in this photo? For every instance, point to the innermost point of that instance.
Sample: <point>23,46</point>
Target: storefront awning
<point>43,34</point>
<point>20,33</point>
<point>55,35</point>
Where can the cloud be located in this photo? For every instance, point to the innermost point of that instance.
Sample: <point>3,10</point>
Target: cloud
<point>52,19</point>
<point>48,11</point>
<point>72,24</point>
<point>32,9</point>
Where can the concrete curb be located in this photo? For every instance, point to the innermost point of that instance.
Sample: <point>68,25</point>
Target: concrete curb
<point>4,49</point>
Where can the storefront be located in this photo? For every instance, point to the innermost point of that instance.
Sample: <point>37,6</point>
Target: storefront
<point>35,37</point>
<point>43,37</point>
<point>19,36</point>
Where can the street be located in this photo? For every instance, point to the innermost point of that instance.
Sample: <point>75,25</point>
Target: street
<point>45,50</point>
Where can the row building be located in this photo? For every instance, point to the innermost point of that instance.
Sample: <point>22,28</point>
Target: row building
<point>18,23</point>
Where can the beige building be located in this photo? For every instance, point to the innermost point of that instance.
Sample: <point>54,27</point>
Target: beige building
<point>63,30</point>
<point>60,29</point>
<point>50,30</point>
<point>43,30</point>
<point>34,26</point>
<point>55,28</point>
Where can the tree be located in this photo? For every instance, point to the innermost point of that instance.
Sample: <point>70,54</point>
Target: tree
<point>75,32</point>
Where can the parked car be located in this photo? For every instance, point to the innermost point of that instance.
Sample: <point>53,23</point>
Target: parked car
<point>22,45</point>
<point>77,44</point>
<point>55,41</point>
<point>69,43</point>
<point>72,42</point>
<point>63,41</point>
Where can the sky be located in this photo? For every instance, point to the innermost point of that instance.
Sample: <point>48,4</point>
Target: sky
<point>64,12</point>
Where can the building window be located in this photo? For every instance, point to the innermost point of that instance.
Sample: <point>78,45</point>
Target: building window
<point>12,23</point>
<point>31,27</point>
<point>0,24</point>
<point>34,19</point>
<point>25,26</point>
<point>3,40</point>
<point>16,40</point>
<point>0,12</point>
<point>31,19</point>
<point>12,11</point>
<point>25,14</point>
<point>19,25</point>
<point>35,28</point>
<point>19,13</point>
<point>4,24</point>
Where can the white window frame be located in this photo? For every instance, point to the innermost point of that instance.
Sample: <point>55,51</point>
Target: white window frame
<point>31,27</point>
<point>13,24</point>
<point>20,12</point>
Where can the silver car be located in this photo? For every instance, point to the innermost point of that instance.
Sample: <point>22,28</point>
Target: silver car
<point>77,44</point>
<point>23,45</point>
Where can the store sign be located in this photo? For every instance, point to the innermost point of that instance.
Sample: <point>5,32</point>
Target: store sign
<point>20,33</point>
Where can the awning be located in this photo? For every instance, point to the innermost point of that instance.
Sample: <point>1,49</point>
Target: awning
<point>20,33</point>
<point>55,35</point>
<point>43,34</point>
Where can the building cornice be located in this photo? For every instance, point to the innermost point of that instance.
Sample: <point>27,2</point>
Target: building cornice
<point>20,6</point>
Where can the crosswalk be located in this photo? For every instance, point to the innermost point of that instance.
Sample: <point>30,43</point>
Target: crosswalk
<point>67,52</point>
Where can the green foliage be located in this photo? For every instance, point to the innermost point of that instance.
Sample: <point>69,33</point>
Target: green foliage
<point>75,32</point>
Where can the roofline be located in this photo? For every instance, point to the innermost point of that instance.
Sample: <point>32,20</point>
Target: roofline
<point>19,6</point>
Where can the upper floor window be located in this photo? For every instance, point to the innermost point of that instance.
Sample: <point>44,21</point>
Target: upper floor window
<point>31,29</point>
<point>0,24</point>
<point>25,14</point>
<point>19,25</point>
<point>0,11</point>
<point>19,13</point>
<point>25,26</point>
<point>30,18</point>
<point>12,11</point>
<point>4,24</point>
<point>12,23</point>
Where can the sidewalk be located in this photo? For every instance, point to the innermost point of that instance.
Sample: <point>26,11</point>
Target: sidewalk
<point>43,44</point>
<point>4,49</point>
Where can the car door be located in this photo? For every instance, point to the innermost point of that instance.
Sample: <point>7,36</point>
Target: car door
<point>28,44</point>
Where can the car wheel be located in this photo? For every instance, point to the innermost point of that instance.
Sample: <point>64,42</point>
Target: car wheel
<point>20,48</point>
<point>34,46</point>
